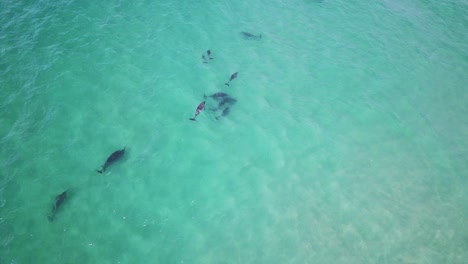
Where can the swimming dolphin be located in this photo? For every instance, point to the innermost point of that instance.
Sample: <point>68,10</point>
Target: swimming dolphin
<point>250,36</point>
<point>59,199</point>
<point>199,109</point>
<point>117,155</point>
<point>209,54</point>
<point>233,76</point>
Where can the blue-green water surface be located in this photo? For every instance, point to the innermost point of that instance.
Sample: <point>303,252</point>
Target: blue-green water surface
<point>347,143</point>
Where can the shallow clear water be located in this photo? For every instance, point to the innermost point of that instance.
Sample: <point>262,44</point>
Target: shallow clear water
<point>347,143</point>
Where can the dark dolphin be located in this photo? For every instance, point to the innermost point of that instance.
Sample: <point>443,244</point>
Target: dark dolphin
<point>222,104</point>
<point>199,109</point>
<point>250,36</point>
<point>233,76</point>
<point>219,96</point>
<point>59,199</point>
<point>117,155</point>
<point>208,52</point>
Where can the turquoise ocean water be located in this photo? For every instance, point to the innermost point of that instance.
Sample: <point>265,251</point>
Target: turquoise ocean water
<point>347,144</point>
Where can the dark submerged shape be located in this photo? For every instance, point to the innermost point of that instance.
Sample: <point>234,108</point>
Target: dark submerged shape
<point>117,155</point>
<point>59,199</point>
<point>227,101</point>
<point>208,52</point>
<point>219,96</point>
<point>224,113</point>
<point>248,35</point>
<point>224,102</point>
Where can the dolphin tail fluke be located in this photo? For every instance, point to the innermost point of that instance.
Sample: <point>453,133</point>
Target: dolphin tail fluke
<point>193,119</point>
<point>100,171</point>
<point>226,84</point>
